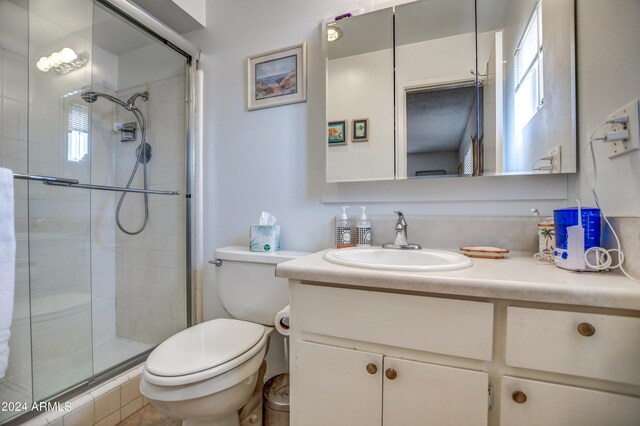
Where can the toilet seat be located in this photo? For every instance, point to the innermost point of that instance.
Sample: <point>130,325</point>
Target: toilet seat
<point>204,351</point>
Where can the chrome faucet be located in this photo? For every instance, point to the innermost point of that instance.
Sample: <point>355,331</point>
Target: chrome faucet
<point>401,236</point>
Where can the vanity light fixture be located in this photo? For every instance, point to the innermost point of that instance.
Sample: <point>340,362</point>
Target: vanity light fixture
<point>62,62</point>
<point>333,33</point>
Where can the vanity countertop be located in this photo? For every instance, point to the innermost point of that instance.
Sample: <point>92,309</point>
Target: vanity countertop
<point>516,277</point>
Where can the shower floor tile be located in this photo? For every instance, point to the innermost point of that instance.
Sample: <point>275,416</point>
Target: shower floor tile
<point>115,351</point>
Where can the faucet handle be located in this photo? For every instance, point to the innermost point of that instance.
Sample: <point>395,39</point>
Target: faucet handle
<point>400,218</point>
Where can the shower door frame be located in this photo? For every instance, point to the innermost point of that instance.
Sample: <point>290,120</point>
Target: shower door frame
<point>165,35</point>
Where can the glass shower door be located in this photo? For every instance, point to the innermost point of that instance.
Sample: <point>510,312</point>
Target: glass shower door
<point>60,55</point>
<point>14,96</point>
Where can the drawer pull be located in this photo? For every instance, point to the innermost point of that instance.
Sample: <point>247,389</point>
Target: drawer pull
<point>371,368</point>
<point>586,329</point>
<point>391,374</point>
<point>519,397</point>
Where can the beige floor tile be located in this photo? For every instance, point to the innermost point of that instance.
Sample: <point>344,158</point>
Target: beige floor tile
<point>110,420</point>
<point>149,416</point>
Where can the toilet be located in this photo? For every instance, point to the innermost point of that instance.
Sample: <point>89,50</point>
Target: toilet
<point>212,373</point>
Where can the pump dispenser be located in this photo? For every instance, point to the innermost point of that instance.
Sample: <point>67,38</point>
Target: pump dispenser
<point>363,230</point>
<point>343,229</point>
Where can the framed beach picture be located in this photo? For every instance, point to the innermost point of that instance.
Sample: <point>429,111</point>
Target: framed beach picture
<point>360,131</point>
<point>337,132</point>
<point>277,77</point>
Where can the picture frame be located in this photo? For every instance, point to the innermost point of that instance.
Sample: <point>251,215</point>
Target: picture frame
<point>360,130</point>
<point>278,77</point>
<point>337,132</point>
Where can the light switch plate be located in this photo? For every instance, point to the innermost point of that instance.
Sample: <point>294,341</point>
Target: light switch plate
<point>633,125</point>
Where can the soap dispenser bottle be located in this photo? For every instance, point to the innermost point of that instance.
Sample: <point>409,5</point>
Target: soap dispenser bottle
<point>343,229</point>
<point>363,230</point>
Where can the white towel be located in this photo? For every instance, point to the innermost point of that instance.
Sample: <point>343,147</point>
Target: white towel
<point>7,264</point>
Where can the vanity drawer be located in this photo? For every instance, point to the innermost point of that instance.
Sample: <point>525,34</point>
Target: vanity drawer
<point>581,344</point>
<point>453,327</point>
<point>533,403</point>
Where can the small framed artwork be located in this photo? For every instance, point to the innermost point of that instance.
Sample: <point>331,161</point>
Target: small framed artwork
<point>360,130</point>
<point>337,132</point>
<point>277,77</point>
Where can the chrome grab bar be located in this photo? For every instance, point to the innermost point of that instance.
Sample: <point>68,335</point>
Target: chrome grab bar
<point>113,188</point>
<point>74,183</point>
<point>46,178</point>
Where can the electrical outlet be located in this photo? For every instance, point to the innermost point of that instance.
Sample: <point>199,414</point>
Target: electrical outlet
<point>556,161</point>
<point>633,125</point>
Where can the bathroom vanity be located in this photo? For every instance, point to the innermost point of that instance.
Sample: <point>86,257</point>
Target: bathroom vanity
<point>505,342</point>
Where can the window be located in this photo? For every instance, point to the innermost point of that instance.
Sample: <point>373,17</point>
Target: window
<point>528,71</point>
<point>78,133</point>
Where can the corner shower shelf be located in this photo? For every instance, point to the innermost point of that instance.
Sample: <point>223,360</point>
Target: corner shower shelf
<point>74,183</point>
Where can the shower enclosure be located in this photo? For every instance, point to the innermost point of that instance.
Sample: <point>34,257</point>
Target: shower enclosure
<point>95,109</point>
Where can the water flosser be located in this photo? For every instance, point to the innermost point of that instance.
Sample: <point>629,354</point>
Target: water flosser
<point>575,244</point>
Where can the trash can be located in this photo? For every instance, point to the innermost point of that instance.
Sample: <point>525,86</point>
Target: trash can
<point>275,395</point>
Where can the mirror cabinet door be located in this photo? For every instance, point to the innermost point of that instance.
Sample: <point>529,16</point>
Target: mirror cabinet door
<point>436,89</point>
<point>360,128</point>
<point>526,61</point>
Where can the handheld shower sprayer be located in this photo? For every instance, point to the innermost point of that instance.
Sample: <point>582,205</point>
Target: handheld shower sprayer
<point>143,152</point>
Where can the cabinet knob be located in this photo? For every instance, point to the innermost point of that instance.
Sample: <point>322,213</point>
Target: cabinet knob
<point>372,368</point>
<point>391,374</point>
<point>519,397</point>
<point>586,329</point>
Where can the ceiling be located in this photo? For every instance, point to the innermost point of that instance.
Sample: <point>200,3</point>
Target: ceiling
<point>436,119</point>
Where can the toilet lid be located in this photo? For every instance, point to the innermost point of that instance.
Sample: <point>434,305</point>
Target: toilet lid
<point>203,346</point>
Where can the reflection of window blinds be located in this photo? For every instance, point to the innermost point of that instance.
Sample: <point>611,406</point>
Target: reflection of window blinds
<point>78,132</point>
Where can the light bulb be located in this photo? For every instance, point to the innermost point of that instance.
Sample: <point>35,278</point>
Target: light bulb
<point>55,59</point>
<point>43,64</point>
<point>333,33</point>
<point>68,55</point>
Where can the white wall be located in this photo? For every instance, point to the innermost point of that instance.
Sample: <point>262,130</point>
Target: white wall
<point>608,64</point>
<point>150,63</point>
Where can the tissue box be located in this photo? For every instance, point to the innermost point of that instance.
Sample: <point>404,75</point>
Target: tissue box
<point>265,238</point>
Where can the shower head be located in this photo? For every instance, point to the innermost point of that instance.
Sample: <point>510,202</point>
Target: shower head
<point>144,95</point>
<point>89,96</point>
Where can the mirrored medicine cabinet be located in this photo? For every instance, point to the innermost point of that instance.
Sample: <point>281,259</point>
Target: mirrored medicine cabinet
<point>451,88</point>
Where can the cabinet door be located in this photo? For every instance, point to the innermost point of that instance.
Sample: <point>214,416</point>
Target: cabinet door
<point>334,386</point>
<point>528,402</point>
<point>427,394</point>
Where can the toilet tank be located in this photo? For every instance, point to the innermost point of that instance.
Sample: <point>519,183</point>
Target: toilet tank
<point>247,284</point>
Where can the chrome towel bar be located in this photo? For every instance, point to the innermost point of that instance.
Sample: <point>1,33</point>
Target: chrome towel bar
<point>74,183</point>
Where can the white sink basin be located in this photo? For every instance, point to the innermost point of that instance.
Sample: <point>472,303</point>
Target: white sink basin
<point>424,260</point>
